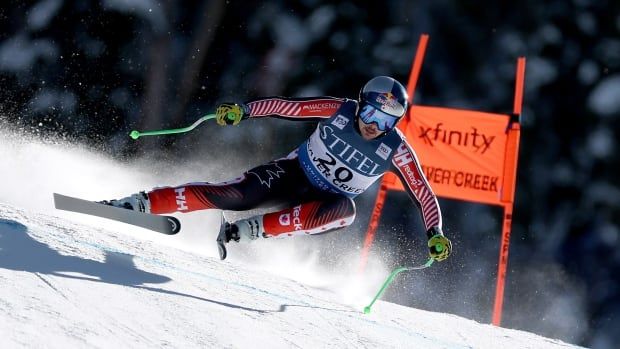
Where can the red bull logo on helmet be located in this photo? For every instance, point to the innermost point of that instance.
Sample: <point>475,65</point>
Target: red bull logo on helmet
<point>389,103</point>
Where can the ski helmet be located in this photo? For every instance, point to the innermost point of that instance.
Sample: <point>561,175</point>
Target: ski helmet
<point>383,101</point>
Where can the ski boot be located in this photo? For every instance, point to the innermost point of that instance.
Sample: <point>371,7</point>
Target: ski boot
<point>136,202</point>
<point>243,231</point>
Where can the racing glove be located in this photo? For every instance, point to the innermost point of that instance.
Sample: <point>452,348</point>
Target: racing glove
<point>438,245</point>
<point>231,113</point>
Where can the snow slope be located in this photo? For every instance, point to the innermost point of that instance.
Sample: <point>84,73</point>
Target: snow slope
<point>69,280</point>
<point>71,285</point>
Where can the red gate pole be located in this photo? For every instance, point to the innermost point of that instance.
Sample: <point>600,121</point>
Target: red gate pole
<point>508,193</point>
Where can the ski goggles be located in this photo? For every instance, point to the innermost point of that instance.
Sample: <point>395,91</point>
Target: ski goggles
<point>384,121</point>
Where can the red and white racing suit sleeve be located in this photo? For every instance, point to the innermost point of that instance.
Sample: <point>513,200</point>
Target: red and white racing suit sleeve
<point>311,109</point>
<point>406,165</point>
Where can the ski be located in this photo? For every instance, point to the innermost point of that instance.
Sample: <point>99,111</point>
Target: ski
<point>162,224</point>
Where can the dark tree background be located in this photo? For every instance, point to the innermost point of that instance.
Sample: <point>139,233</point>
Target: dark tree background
<point>91,71</point>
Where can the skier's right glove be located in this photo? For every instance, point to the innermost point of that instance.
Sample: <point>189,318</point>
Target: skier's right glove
<point>231,114</point>
<point>438,245</point>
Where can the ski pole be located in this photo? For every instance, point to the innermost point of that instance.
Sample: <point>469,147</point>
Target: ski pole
<point>390,278</point>
<point>136,134</point>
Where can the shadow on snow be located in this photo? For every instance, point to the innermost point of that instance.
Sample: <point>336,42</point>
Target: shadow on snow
<point>21,252</point>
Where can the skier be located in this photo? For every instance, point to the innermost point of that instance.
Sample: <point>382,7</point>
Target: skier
<point>355,143</point>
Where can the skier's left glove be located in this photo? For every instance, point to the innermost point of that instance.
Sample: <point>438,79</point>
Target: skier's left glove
<point>438,245</point>
<point>231,114</point>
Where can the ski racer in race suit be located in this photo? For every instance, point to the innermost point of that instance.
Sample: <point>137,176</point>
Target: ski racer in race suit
<point>354,144</point>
